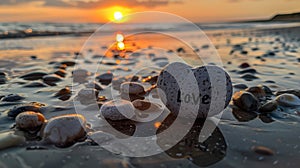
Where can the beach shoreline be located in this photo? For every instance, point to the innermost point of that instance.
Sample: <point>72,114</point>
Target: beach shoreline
<point>272,58</point>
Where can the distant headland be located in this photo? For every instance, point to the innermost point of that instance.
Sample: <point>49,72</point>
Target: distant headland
<point>291,17</point>
<point>287,17</point>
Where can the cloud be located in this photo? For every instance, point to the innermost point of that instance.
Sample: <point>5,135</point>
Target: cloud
<point>14,2</point>
<point>94,3</point>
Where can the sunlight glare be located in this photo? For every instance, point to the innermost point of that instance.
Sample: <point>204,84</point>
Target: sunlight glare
<point>120,46</point>
<point>119,37</point>
<point>118,16</point>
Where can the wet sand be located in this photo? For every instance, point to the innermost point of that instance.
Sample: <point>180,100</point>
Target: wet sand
<point>273,53</point>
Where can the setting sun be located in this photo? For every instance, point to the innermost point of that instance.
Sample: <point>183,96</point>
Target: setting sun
<point>118,15</point>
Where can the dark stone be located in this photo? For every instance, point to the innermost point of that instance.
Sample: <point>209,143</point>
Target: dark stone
<point>34,106</point>
<point>35,84</point>
<point>12,98</point>
<point>34,75</point>
<point>244,65</point>
<point>248,70</point>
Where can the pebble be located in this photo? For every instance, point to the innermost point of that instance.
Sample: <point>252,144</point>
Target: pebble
<point>34,106</point>
<point>3,78</point>
<point>146,111</point>
<point>249,77</point>
<point>266,118</point>
<point>162,64</point>
<point>94,85</point>
<point>132,88</point>
<point>105,78</point>
<point>117,81</point>
<point>244,65</point>
<point>117,110</point>
<point>30,121</point>
<point>257,91</point>
<point>88,95</point>
<point>240,86</point>
<point>63,94</point>
<point>288,100</point>
<point>62,66</point>
<point>131,97</point>
<point>248,70</point>
<point>65,130</point>
<point>160,58</point>
<point>243,116</point>
<point>262,150</point>
<point>246,101</point>
<point>108,63</point>
<point>61,72</point>
<point>269,81</point>
<point>180,50</point>
<point>12,98</point>
<point>3,74</point>
<point>205,46</point>
<point>80,73</point>
<point>51,79</point>
<point>68,63</point>
<point>271,53</point>
<point>268,107</point>
<point>141,104</point>
<point>34,75</point>
<point>244,52</point>
<point>33,57</point>
<point>174,96</point>
<point>35,84</point>
<point>267,90</point>
<point>290,91</point>
<point>10,139</point>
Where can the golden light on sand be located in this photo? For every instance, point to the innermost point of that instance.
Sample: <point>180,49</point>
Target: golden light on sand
<point>119,37</point>
<point>118,16</point>
<point>120,46</point>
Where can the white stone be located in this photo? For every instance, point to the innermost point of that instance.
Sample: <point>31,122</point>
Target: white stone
<point>190,90</point>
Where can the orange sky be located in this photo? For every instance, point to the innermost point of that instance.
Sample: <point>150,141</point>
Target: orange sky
<point>99,10</point>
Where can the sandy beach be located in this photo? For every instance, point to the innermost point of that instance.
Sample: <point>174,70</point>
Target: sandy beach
<point>252,56</point>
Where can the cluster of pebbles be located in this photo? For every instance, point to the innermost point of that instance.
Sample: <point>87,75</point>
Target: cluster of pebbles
<point>31,126</point>
<point>132,104</point>
<point>261,100</point>
<point>61,131</point>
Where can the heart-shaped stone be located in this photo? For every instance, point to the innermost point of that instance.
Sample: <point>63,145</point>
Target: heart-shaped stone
<point>197,92</point>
